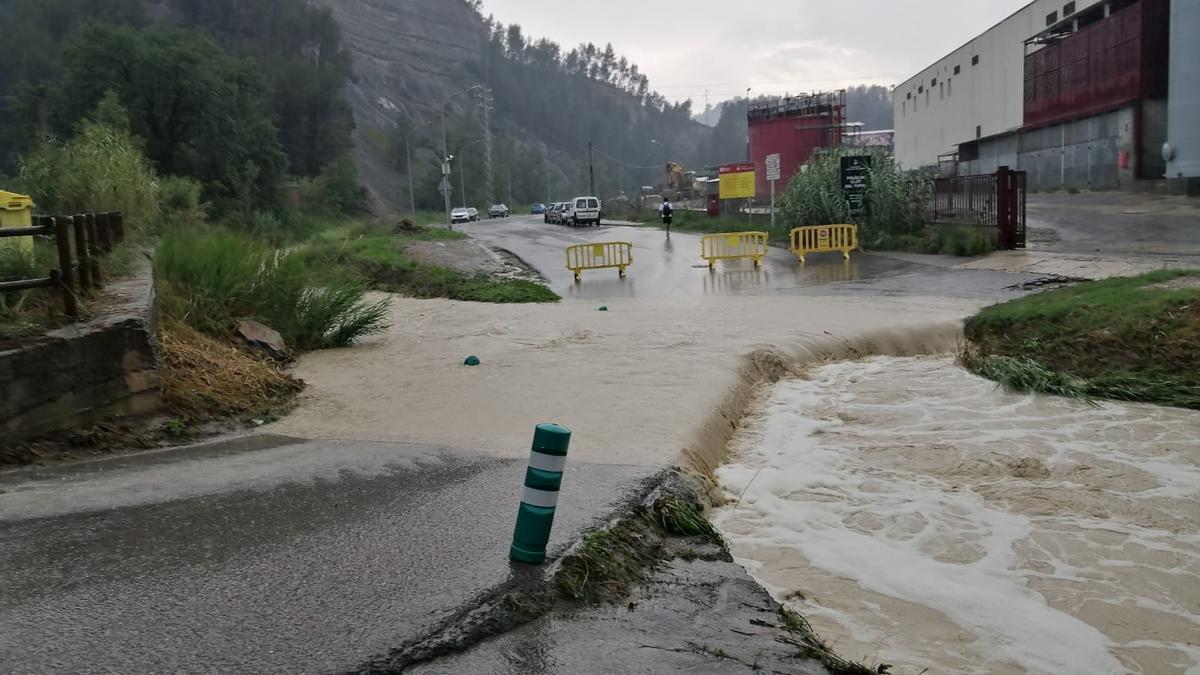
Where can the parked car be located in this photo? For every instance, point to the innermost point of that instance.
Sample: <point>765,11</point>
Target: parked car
<point>582,211</point>
<point>498,211</point>
<point>537,209</point>
<point>473,212</point>
<point>460,216</point>
<point>552,212</point>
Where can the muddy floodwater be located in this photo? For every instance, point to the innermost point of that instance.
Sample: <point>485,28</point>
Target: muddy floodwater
<point>918,516</point>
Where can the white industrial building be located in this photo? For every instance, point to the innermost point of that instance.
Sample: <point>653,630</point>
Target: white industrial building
<point>1074,93</point>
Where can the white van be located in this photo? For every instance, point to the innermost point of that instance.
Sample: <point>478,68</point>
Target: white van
<point>581,211</point>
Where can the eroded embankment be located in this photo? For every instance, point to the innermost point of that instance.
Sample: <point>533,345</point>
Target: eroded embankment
<point>763,367</point>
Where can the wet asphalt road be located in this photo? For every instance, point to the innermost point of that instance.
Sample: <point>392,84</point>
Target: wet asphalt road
<point>672,267</point>
<point>262,555</point>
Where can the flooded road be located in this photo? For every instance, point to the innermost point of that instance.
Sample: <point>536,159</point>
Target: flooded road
<point>672,267</point>
<point>919,516</point>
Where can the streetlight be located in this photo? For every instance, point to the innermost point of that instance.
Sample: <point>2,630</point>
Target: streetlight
<point>412,199</point>
<point>462,172</point>
<point>446,149</point>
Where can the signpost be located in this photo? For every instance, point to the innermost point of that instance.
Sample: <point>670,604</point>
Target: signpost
<point>738,182</point>
<point>774,173</point>
<point>855,172</point>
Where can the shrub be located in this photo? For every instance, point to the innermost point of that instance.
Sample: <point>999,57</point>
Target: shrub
<point>894,198</point>
<point>209,279</point>
<point>101,169</point>
<point>181,202</point>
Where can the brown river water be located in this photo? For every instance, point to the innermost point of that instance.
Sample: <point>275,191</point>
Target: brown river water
<point>919,516</point>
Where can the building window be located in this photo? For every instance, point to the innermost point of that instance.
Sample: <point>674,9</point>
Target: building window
<point>933,82</point>
<point>1051,18</point>
<point>957,69</point>
<point>975,60</point>
<point>921,89</point>
<point>978,131</point>
<point>909,97</point>
<point>1068,9</point>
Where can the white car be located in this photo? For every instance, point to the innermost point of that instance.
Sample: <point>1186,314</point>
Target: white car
<point>473,212</point>
<point>460,216</point>
<point>581,211</point>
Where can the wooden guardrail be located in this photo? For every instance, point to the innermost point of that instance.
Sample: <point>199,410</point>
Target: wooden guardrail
<point>93,235</point>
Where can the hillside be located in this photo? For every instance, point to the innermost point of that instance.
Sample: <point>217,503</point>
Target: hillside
<point>410,55</point>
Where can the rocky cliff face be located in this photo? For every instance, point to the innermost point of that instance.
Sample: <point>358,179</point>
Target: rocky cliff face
<point>408,56</point>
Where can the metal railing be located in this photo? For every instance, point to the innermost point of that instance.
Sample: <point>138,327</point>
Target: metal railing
<point>605,255</point>
<point>734,245</point>
<point>823,239</point>
<point>994,200</point>
<point>93,235</point>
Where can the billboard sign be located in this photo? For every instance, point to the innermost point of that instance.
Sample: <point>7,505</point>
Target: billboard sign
<point>737,181</point>
<point>855,171</point>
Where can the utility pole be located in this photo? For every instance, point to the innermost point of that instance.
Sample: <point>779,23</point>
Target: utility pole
<point>446,157</point>
<point>591,171</point>
<point>546,168</point>
<point>489,176</point>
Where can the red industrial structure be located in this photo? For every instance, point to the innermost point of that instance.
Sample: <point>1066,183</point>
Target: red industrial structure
<point>794,127</point>
<point>1107,63</point>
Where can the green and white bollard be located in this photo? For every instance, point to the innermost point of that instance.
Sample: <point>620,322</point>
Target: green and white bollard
<point>543,478</point>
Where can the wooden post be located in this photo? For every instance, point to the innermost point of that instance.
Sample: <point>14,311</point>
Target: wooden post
<point>118,223</point>
<point>62,241</point>
<point>104,230</point>
<point>79,228</point>
<point>1003,208</point>
<point>93,250</point>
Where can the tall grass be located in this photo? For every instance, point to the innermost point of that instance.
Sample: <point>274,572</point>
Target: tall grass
<point>209,279</point>
<point>894,198</point>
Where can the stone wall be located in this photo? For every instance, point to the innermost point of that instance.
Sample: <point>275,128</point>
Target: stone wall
<point>104,367</point>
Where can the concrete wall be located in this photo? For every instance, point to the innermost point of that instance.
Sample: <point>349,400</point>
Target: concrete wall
<point>1184,97</point>
<point>989,95</point>
<point>78,375</point>
<point>1083,154</point>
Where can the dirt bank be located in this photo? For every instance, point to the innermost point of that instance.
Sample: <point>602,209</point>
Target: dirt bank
<point>634,383</point>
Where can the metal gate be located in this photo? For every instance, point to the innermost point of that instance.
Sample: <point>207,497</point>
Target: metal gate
<point>992,201</point>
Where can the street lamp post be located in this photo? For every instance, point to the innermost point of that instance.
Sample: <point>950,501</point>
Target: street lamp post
<point>446,149</point>
<point>412,198</point>
<point>462,171</point>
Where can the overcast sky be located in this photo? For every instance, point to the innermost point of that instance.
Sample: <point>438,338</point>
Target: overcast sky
<point>689,47</point>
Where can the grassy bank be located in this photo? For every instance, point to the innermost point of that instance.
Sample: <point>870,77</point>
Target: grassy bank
<point>1129,339</point>
<point>382,261</point>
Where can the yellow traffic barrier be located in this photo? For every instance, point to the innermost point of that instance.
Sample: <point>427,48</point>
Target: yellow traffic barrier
<point>733,245</point>
<point>824,239</point>
<point>605,255</point>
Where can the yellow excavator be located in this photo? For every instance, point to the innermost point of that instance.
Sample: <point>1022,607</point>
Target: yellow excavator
<point>677,177</point>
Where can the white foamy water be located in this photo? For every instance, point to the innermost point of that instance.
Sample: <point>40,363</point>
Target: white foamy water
<point>921,517</point>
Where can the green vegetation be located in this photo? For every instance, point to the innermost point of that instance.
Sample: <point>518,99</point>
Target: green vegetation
<point>815,197</point>
<point>1130,339</point>
<point>209,279</point>
<point>382,261</point>
<point>939,239</point>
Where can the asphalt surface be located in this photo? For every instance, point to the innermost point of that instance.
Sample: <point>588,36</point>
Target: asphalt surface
<point>259,555</point>
<point>672,267</point>
<point>1114,223</point>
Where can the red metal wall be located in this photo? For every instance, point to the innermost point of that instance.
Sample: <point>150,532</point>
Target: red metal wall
<point>794,138</point>
<point>1108,64</point>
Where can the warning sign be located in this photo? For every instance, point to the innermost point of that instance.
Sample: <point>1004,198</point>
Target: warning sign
<point>737,181</point>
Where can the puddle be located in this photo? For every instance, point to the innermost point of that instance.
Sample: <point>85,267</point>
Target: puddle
<point>919,516</point>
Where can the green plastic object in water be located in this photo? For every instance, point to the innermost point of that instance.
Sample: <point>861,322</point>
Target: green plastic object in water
<point>472,361</point>
<point>604,308</point>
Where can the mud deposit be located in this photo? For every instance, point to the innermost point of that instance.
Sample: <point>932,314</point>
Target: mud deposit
<point>919,516</point>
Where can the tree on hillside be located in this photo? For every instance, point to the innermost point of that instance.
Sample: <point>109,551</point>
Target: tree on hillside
<point>202,113</point>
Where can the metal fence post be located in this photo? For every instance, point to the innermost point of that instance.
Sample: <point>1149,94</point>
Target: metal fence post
<point>543,478</point>
<point>1004,208</point>
<point>62,242</point>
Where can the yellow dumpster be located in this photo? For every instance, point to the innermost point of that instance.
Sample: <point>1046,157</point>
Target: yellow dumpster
<point>16,211</point>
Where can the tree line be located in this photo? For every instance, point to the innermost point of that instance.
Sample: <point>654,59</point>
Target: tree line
<point>237,95</point>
